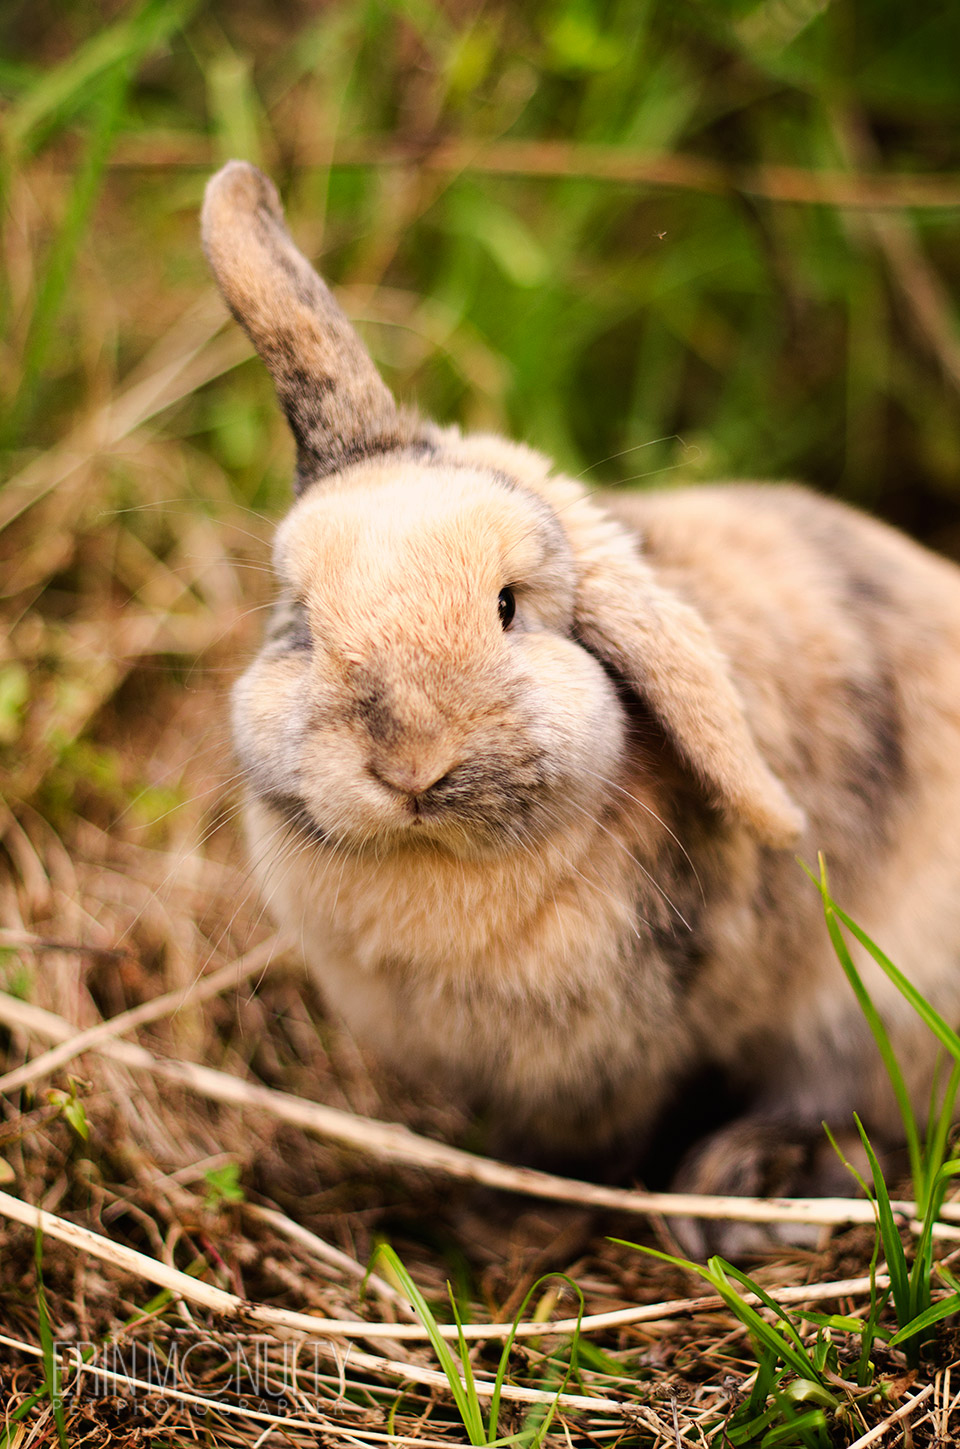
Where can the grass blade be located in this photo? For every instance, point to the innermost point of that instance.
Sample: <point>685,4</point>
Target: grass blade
<point>872,1018</point>
<point>715,1274</point>
<point>854,1173</point>
<point>505,1359</point>
<point>791,1349</point>
<point>50,1366</point>
<point>809,1427</point>
<point>64,89</point>
<point>839,1321</point>
<point>935,1314</point>
<point>474,1424</point>
<point>440,1346</point>
<point>944,1033</point>
<point>540,1431</point>
<point>60,262</point>
<point>728,1270</point>
<point>892,1245</point>
<point>939,1135</point>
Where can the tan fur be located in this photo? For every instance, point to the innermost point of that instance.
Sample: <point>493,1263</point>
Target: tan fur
<point>553,865</point>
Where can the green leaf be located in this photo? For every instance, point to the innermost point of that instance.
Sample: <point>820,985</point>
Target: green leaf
<point>75,1114</point>
<point>934,1314</point>
<point>441,1348</point>
<point>790,1348</point>
<point>504,236</point>
<point>576,44</point>
<point>223,1184</point>
<point>809,1429</point>
<point>944,1033</point>
<point>838,1321</point>
<point>51,1369</point>
<point>14,695</point>
<point>873,1020</point>
<point>65,87</point>
<point>889,1232</point>
<point>808,1391</point>
<point>739,1431</point>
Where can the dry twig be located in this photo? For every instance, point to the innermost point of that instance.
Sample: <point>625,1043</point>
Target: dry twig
<point>391,1142</point>
<point>548,159</point>
<point>251,964</point>
<point>208,1296</point>
<point>878,1431</point>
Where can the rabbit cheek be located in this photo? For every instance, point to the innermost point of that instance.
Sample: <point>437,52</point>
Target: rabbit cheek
<point>577,720</point>
<point>270,704</point>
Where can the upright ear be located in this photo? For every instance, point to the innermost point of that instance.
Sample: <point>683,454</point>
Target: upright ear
<point>663,649</point>
<point>337,404</point>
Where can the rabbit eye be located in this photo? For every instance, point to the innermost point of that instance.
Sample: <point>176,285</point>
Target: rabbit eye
<point>506,607</point>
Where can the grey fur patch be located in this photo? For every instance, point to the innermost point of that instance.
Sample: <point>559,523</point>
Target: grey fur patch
<point>289,628</point>
<point>332,454</point>
<point>875,766</point>
<point>295,813</point>
<point>501,802</point>
<point>377,718</point>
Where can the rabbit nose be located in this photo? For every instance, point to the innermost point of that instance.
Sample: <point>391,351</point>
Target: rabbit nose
<point>410,780</point>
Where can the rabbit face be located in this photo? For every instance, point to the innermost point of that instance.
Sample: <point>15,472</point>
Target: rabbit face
<point>422,682</point>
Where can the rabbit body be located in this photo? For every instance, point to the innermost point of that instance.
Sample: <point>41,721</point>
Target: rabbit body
<point>528,770</point>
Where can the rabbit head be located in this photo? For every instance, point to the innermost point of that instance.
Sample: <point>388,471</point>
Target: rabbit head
<point>458,630</point>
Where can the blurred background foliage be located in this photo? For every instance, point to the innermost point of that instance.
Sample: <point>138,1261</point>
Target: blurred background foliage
<point>663,240</point>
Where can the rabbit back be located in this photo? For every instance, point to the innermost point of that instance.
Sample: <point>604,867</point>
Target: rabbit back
<point>843,638</point>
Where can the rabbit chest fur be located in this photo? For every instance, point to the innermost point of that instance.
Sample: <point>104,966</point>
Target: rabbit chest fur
<point>528,769</point>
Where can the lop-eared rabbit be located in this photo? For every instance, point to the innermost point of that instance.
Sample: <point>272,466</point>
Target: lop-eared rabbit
<point>528,769</point>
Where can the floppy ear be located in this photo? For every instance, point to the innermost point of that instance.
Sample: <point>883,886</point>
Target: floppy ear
<point>663,649</point>
<point>336,402</point>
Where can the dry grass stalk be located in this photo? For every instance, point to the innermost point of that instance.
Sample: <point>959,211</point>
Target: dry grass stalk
<point>874,1435</point>
<point>252,963</point>
<point>391,1142</point>
<point>278,1320</point>
<point>217,1300</point>
<point>329,1254</point>
<point>288,1422</point>
<point>864,190</point>
<point>158,382</point>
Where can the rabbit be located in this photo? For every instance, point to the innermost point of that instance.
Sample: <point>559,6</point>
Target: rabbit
<point>528,768</point>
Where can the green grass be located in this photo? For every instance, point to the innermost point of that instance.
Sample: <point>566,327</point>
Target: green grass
<point>51,1390</point>
<point>932,1161</point>
<point>794,1398</point>
<point>790,1390</point>
<point>747,334</point>
<point>458,1369</point>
